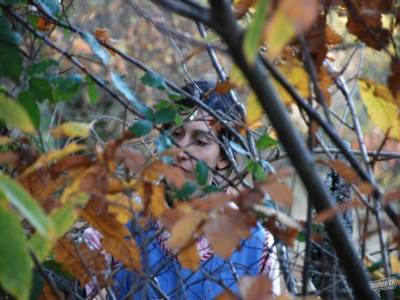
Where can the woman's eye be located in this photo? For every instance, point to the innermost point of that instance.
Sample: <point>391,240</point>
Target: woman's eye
<point>177,134</point>
<point>201,142</point>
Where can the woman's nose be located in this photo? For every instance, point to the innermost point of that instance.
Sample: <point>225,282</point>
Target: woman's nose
<point>182,155</point>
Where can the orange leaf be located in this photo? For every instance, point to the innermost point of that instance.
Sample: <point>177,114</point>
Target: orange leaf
<point>242,6</point>
<point>80,260</point>
<point>332,37</point>
<point>225,230</point>
<point>131,159</point>
<point>44,24</point>
<point>153,198</point>
<point>328,214</point>
<point>183,230</point>
<point>255,288</point>
<point>115,239</point>
<point>286,234</point>
<point>278,192</point>
<point>224,87</point>
<point>189,257</point>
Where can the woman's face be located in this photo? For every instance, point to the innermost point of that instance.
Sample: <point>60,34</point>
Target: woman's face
<point>197,140</point>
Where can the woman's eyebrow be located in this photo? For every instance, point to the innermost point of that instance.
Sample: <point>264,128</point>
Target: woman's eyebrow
<point>206,133</point>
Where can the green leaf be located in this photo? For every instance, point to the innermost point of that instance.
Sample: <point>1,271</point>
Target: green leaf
<point>28,102</point>
<point>153,80</point>
<point>178,120</point>
<point>265,141</point>
<point>67,87</point>
<point>254,31</point>
<point>93,92</point>
<point>211,189</point>
<point>7,36</point>
<point>164,116</point>
<point>63,218</point>
<point>51,7</point>
<point>175,97</point>
<point>186,190</point>
<point>256,169</point>
<point>141,128</point>
<point>201,172</point>
<point>121,85</point>
<point>14,115</point>
<point>15,262</point>
<point>26,205</point>
<point>97,49</point>
<point>11,2</point>
<point>10,62</point>
<point>41,89</point>
<point>41,67</point>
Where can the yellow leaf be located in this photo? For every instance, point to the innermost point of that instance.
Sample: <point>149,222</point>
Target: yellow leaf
<point>294,72</point>
<point>122,207</point>
<point>52,156</point>
<point>290,17</point>
<point>15,115</point>
<point>254,109</point>
<point>277,39</point>
<point>75,186</point>
<point>237,78</point>
<point>381,107</point>
<point>5,140</point>
<point>72,129</point>
<point>394,262</point>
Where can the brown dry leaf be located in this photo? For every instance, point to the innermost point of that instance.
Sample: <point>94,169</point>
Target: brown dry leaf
<point>225,230</point>
<point>316,40</point>
<point>349,174</point>
<point>153,198</point>
<point>122,207</point>
<point>325,81</point>
<point>183,231</point>
<point>391,196</point>
<point>279,192</point>
<point>332,37</point>
<point>80,260</point>
<point>255,288</point>
<point>85,181</point>
<point>226,295</point>
<point>211,202</point>
<point>248,198</point>
<point>242,6</point>
<point>130,158</point>
<point>52,156</point>
<point>394,78</point>
<point>224,87</point>
<point>193,53</point>
<point>70,163</point>
<point>43,24</point>
<point>114,239</point>
<point>328,214</point>
<point>9,158</point>
<point>103,35</point>
<point>48,294</point>
<point>172,174</point>
<point>189,257</point>
<point>286,234</point>
<point>375,36</point>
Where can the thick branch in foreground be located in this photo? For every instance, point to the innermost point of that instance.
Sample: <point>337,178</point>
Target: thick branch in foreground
<point>294,145</point>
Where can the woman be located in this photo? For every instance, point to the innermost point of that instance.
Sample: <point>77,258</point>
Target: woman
<point>163,276</point>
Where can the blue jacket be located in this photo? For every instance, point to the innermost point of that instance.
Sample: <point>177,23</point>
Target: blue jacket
<point>166,278</point>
